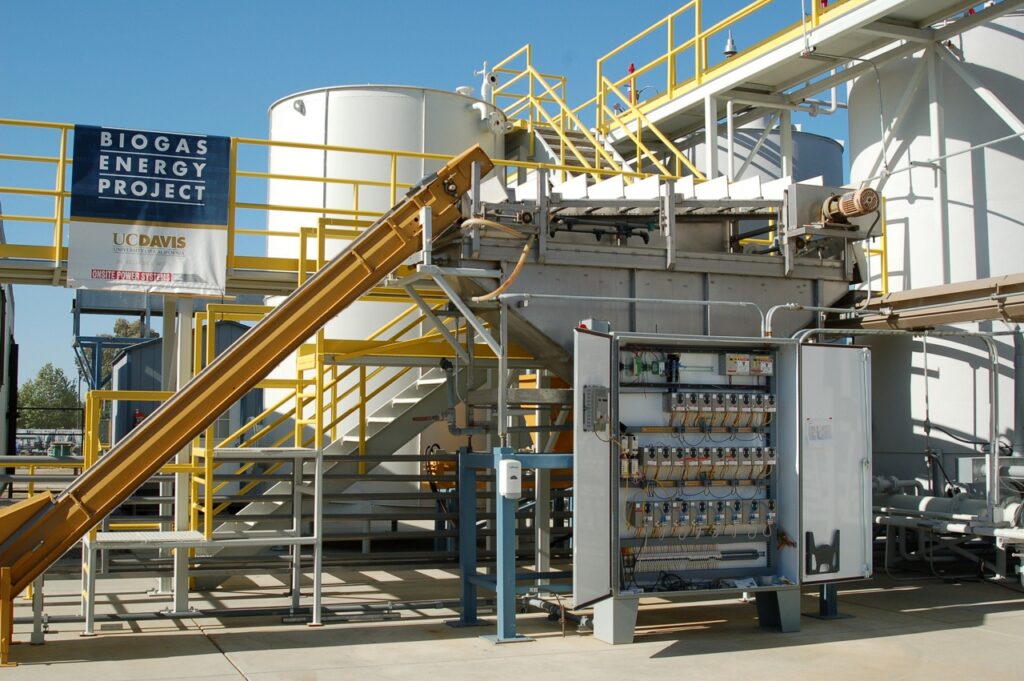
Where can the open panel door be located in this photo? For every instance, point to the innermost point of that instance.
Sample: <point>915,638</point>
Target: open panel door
<point>592,472</point>
<point>835,463</point>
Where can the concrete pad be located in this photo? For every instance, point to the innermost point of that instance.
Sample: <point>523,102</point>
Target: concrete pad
<point>899,630</point>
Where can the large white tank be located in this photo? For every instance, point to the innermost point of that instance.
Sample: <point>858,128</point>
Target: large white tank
<point>813,155</point>
<point>975,234</point>
<point>387,117</point>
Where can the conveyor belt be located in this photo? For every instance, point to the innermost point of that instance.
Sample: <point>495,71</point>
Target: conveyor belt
<point>37,531</point>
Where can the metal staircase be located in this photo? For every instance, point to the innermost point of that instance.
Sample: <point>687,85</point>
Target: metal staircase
<point>388,429</point>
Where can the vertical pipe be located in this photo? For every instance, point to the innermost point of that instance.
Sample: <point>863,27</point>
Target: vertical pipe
<point>503,376</point>
<point>992,470</point>
<point>1018,391</point>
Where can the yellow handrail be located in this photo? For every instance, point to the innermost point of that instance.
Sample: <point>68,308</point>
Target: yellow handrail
<point>47,250</point>
<point>698,39</point>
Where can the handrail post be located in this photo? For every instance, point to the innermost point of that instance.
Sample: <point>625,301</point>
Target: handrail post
<point>394,178</point>
<point>362,418</point>
<point>671,67</point>
<point>58,203</point>
<point>698,45</point>
<point>232,194</point>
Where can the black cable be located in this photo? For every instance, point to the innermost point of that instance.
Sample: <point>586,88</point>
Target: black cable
<point>938,461</point>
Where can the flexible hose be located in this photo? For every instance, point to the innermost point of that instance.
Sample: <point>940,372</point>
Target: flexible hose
<point>511,277</point>
<point>484,222</point>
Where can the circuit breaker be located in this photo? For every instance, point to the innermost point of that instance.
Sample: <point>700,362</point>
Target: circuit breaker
<point>688,465</point>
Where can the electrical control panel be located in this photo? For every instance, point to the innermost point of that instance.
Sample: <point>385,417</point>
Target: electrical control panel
<point>697,459</point>
<point>691,448</point>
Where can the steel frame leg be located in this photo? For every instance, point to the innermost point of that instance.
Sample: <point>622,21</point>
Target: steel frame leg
<point>37,638</point>
<point>828,604</point>
<point>6,618</point>
<point>506,574</point>
<point>779,609</point>
<point>467,546</point>
<point>89,588</point>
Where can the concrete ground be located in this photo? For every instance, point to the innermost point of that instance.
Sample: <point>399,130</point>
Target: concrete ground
<point>917,629</point>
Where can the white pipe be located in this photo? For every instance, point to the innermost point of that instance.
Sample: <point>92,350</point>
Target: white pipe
<point>525,297</point>
<point>730,153</point>
<point>933,161</point>
<point>766,328</point>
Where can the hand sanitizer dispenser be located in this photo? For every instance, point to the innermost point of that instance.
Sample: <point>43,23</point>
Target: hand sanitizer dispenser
<point>510,479</point>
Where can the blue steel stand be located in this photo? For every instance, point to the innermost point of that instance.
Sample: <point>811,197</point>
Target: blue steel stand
<point>828,604</point>
<point>504,583</point>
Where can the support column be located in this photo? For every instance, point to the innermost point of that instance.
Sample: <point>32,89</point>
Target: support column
<point>505,579</point>
<point>786,141</point>
<point>937,128</point>
<point>542,491</point>
<point>181,480</point>
<point>467,544</point>
<point>779,609</point>
<point>167,382</point>
<point>730,139</point>
<point>615,619</point>
<point>37,638</point>
<point>710,137</point>
<point>6,617</point>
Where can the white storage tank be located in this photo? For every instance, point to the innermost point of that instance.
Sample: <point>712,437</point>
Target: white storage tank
<point>386,117</point>
<point>975,234</point>
<point>813,155</point>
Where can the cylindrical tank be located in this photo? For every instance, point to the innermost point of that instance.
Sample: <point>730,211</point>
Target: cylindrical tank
<point>385,117</point>
<point>974,234</point>
<point>813,155</point>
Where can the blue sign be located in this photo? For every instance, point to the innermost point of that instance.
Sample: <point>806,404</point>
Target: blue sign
<point>146,177</point>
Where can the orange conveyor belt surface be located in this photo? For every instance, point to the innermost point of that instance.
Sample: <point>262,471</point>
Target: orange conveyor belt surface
<point>35,532</point>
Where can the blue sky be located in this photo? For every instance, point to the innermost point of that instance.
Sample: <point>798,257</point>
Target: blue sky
<point>214,67</point>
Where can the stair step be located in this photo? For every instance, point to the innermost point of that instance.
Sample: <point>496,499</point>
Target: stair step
<point>380,419</point>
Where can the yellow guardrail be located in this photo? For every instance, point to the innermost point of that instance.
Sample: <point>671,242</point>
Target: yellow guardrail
<point>320,410</point>
<point>694,41</point>
<point>95,443</point>
<point>531,107</point>
<point>45,203</point>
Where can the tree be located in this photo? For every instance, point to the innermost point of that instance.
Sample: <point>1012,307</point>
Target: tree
<point>49,391</point>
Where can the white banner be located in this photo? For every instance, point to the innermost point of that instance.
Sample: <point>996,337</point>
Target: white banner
<point>149,211</point>
<point>147,258</point>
